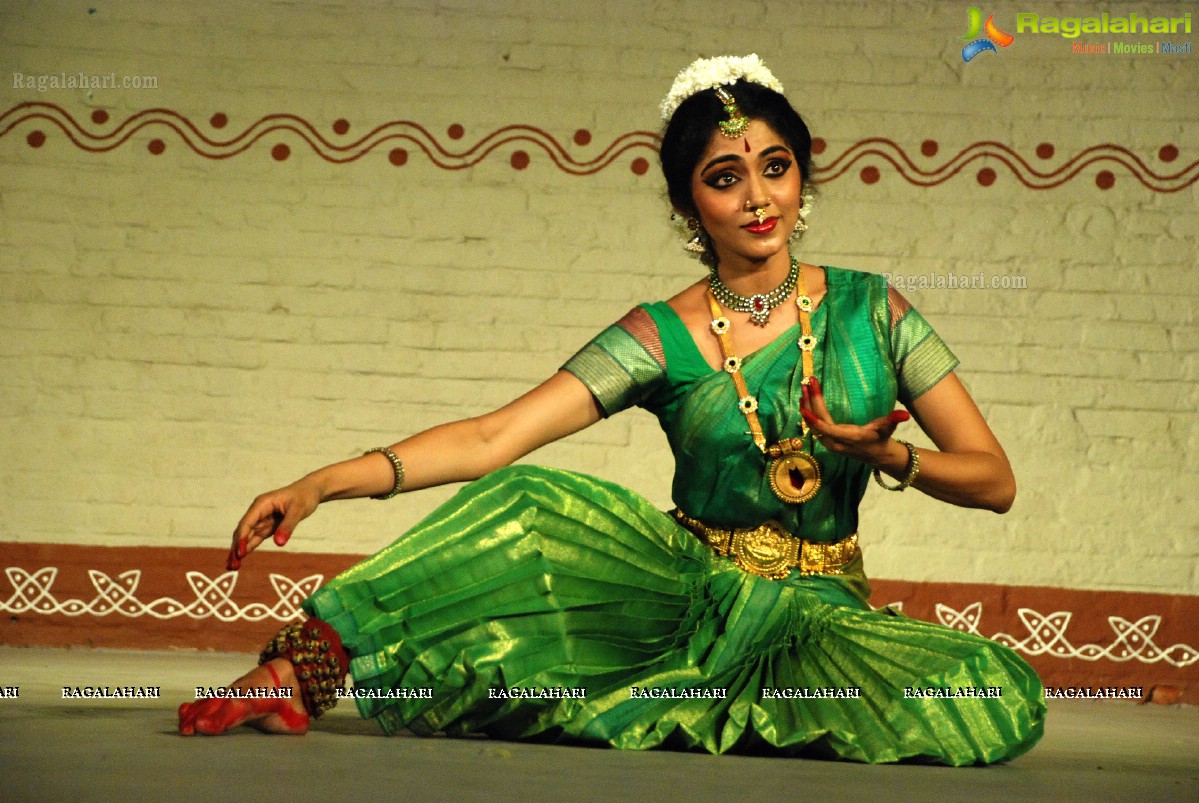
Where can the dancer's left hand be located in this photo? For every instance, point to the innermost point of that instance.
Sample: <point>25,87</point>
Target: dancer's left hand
<point>869,443</point>
<point>272,515</point>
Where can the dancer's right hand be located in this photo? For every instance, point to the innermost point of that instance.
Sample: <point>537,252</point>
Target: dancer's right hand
<point>274,514</point>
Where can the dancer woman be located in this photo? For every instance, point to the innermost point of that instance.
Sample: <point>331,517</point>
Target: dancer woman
<point>544,604</point>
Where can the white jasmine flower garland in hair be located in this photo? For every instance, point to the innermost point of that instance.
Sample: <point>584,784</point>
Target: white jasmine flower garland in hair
<point>711,73</point>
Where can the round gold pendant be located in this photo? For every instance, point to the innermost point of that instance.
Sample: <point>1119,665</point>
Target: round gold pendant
<point>795,477</point>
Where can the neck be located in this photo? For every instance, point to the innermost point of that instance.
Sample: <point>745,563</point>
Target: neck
<point>750,278</point>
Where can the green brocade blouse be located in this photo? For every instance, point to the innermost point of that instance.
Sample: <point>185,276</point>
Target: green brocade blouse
<point>873,349</point>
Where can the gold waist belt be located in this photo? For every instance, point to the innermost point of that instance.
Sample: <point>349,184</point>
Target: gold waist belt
<point>770,551</point>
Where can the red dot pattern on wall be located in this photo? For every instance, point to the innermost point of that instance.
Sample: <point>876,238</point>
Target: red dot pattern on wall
<point>867,159</point>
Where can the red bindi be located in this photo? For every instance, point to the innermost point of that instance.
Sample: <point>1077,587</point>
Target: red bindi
<point>747,146</point>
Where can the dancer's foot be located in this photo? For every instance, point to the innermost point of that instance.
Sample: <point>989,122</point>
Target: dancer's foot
<point>268,714</point>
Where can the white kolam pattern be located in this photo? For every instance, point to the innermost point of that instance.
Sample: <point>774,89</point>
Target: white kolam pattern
<point>213,597</point>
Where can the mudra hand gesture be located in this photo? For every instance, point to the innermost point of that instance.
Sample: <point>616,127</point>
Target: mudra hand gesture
<point>869,443</point>
<point>273,514</point>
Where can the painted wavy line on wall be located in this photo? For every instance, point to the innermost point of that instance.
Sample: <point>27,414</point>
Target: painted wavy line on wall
<point>983,159</point>
<point>385,137</point>
<point>988,155</point>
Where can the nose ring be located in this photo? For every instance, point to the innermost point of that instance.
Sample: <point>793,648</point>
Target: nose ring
<point>759,210</point>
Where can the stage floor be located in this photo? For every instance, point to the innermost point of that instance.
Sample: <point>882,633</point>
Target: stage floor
<point>78,749</point>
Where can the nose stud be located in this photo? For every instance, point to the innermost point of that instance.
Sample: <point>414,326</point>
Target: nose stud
<point>759,210</point>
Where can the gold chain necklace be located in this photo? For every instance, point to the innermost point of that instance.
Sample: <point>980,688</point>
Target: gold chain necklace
<point>794,474</point>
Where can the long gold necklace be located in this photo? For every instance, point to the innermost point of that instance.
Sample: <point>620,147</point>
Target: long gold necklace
<point>794,474</point>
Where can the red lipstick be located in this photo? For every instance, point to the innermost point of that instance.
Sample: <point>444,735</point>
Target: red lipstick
<point>765,227</point>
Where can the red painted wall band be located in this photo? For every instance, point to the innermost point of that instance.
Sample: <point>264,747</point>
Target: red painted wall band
<point>158,598</point>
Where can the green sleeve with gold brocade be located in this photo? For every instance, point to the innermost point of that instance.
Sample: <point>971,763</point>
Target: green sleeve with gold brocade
<point>623,364</point>
<point>921,357</point>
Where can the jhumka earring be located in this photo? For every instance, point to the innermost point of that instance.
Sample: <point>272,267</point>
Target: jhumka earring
<point>698,244</point>
<point>801,224</point>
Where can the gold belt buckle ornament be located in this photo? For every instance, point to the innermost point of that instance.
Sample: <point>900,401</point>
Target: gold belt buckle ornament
<point>770,551</point>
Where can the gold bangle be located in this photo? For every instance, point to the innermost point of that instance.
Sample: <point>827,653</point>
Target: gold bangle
<point>913,469</point>
<point>396,465</point>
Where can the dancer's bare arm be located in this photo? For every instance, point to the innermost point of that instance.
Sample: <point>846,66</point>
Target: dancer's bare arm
<point>455,452</point>
<point>969,467</point>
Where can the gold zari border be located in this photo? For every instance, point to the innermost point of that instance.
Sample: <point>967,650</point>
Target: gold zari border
<point>770,551</point>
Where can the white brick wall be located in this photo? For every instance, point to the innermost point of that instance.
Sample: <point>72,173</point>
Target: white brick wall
<point>179,333</point>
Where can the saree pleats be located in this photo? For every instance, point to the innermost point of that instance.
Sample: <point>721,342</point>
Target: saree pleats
<point>539,579</point>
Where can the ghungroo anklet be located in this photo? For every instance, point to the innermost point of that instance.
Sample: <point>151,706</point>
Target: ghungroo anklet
<point>320,661</point>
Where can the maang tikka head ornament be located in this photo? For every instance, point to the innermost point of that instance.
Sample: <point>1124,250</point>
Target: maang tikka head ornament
<point>736,125</point>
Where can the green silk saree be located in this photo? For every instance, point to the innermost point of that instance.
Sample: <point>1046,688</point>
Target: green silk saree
<point>548,605</point>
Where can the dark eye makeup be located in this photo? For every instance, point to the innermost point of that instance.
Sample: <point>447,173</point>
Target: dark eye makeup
<point>722,179</point>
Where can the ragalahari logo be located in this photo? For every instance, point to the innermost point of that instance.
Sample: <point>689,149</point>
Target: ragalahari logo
<point>993,37</point>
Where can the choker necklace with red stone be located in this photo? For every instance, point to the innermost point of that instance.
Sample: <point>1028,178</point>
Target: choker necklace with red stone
<point>758,306</point>
<point>794,474</point>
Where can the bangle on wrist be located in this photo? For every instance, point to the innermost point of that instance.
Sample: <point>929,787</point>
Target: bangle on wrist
<point>396,465</point>
<point>913,469</point>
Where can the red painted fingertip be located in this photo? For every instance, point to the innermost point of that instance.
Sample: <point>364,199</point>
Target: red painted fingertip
<point>816,385</point>
<point>899,416</point>
<point>282,536</point>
